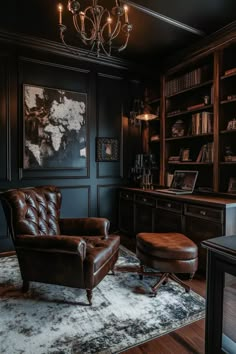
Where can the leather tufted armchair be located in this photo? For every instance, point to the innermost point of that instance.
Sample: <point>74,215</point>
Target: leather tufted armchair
<point>75,252</point>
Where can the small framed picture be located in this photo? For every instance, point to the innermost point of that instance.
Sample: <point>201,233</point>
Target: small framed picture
<point>107,149</point>
<point>232,185</point>
<point>185,155</point>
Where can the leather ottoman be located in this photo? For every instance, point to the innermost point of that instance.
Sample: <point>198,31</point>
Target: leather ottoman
<point>169,253</point>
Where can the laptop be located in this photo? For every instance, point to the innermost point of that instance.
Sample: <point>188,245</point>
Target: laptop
<point>183,182</point>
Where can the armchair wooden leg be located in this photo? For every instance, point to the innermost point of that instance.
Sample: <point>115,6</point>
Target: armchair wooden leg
<point>25,286</point>
<point>89,296</point>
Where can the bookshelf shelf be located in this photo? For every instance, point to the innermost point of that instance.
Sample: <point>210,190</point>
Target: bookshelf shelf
<point>229,131</point>
<point>233,163</point>
<point>228,101</point>
<point>154,100</point>
<point>223,77</point>
<point>190,111</point>
<point>206,83</point>
<point>189,163</point>
<point>186,137</point>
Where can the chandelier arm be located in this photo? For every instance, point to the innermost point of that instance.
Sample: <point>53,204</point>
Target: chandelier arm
<point>62,36</point>
<point>76,25</point>
<point>108,53</point>
<point>125,44</point>
<point>116,30</point>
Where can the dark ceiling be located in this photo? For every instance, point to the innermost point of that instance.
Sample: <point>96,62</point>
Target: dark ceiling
<point>151,38</point>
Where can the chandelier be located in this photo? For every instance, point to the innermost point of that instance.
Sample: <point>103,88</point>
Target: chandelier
<point>98,27</point>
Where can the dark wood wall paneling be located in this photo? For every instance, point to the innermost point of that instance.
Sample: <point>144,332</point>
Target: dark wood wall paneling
<point>86,192</point>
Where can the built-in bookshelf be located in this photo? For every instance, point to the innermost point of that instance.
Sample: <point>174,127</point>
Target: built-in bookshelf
<point>189,119</point>
<point>199,118</point>
<point>227,121</point>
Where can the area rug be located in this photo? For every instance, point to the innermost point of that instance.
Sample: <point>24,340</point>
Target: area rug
<point>56,320</point>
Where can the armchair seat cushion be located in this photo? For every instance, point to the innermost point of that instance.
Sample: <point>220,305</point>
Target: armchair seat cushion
<point>99,250</point>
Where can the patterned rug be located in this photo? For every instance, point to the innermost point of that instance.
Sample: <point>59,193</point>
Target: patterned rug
<point>56,320</point>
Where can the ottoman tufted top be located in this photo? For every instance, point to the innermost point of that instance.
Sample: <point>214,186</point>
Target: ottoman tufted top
<point>167,245</point>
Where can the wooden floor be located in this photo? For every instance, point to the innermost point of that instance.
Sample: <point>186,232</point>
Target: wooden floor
<point>189,339</point>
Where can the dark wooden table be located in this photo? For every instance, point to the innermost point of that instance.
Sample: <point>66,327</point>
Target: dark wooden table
<point>221,295</point>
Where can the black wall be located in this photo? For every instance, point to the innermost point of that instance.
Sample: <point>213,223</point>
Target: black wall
<point>91,191</point>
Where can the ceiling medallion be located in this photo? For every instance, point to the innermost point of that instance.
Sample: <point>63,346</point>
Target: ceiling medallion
<point>98,27</point>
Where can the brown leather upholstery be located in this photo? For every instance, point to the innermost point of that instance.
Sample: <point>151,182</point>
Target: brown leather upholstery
<point>168,253</point>
<point>76,252</point>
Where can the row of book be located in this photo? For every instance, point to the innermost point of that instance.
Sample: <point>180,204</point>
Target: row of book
<point>202,123</point>
<point>206,153</point>
<point>186,81</point>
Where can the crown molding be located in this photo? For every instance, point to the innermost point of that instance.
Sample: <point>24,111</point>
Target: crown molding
<point>22,40</point>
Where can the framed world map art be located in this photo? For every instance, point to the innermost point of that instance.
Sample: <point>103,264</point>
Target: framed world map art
<point>54,132</point>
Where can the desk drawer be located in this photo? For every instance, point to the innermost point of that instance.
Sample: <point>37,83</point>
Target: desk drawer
<point>127,195</point>
<point>144,199</point>
<point>203,212</point>
<point>169,205</point>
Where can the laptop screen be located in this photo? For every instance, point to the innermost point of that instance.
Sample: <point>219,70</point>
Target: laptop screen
<point>184,180</point>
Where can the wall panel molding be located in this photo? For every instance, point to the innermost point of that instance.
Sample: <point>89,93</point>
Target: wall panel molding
<point>109,209</point>
<point>72,206</point>
<point>5,138</point>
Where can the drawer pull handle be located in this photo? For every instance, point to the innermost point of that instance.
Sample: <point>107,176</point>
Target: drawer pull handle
<point>169,205</point>
<point>202,212</point>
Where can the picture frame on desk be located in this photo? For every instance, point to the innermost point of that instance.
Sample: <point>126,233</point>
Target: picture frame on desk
<point>184,154</point>
<point>232,185</point>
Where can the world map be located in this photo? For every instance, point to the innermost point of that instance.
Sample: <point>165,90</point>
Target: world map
<point>55,128</point>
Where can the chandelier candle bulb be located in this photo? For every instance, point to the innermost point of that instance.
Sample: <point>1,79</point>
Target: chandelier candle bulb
<point>60,13</point>
<point>109,20</point>
<point>126,14</point>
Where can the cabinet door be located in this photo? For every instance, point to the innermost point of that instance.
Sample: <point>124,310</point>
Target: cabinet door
<point>143,218</point>
<point>167,221</point>
<point>126,216</point>
<point>198,230</point>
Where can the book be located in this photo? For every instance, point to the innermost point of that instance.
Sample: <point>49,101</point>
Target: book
<point>199,105</point>
<point>230,71</point>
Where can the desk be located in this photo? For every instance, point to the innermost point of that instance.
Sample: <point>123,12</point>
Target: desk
<point>221,295</point>
<point>198,217</point>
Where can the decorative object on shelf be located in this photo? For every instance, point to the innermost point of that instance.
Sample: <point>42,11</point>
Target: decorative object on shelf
<point>184,154</point>
<point>206,100</point>
<point>228,154</point>
<point>97,26</point>
<point>231,124</point>
<point>54,128</point>
<point>232,185</point>
<point>231,97</point>
<point>178,128</point>
<point>107,149</point>
<point>155,137</point>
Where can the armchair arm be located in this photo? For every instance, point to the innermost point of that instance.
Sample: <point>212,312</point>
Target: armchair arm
<point>62,243</point>
<point>85,226</point>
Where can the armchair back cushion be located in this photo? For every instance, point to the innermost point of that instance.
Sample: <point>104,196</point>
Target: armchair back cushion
<point>36,211</point>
